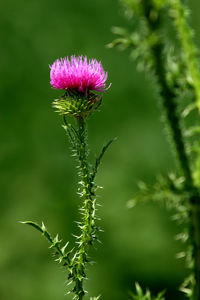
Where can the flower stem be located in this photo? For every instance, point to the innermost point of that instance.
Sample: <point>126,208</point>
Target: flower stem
<point>88,211</point>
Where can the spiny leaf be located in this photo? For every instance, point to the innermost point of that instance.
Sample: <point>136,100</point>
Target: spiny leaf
<point>33,224</point>
<point>42,229</point>
<point>140,295</point>
<point>95,298</point>
<point>99,158</point>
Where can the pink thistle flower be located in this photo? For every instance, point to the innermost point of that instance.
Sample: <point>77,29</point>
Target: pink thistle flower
<point>78,74</point>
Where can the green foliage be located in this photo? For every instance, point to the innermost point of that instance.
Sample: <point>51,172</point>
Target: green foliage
<point>179,13</point>
<point>167,190</point>
<point>181,66</point>
<point>140,295</point>
<point>176,72</point>
<point>75,260</point>
<point>38,178</point>
<point>170,192</point>
<point>62,256</point>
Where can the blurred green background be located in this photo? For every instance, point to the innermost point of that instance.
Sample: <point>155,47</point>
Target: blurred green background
<point>38,179</point>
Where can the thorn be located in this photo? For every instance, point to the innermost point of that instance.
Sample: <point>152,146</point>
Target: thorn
<point>43,227</point>
<point>64,247</point>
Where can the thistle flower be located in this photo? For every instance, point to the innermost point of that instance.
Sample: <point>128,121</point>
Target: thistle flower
<point>78,74</point>
<point>79,77</point>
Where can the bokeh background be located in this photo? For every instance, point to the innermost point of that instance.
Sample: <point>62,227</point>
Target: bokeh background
<point>38,179</point>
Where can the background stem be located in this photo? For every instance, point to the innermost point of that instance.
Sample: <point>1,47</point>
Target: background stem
<point>173,120</point>
<point>168,96</point>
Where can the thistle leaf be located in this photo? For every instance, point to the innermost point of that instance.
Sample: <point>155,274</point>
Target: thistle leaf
<point>99,158</point>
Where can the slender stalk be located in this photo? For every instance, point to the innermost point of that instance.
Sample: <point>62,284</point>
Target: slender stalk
<point>173,119</point>
<point>88,211</point>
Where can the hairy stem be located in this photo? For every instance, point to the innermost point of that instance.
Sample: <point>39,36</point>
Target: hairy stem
<point>179,14</point>
<point>168,96</point>
<point>173,119</point>
<point>169,103</point>
<point>88,211</point>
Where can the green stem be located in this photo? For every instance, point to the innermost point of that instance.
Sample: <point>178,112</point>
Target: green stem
<point>189,51</point>
<point>88,211</point>
<point>173,119</point>
<point>179,15</point>
<point>168,96</point>
<point>169,103</point>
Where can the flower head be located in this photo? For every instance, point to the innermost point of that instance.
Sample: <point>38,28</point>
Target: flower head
<point>78,74</point>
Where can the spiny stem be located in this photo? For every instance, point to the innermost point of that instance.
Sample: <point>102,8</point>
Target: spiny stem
<point>168,96</point>
<point>189,51</point>
<point>169,103</point>
<point>87,225</point>
<point>179,15</point>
